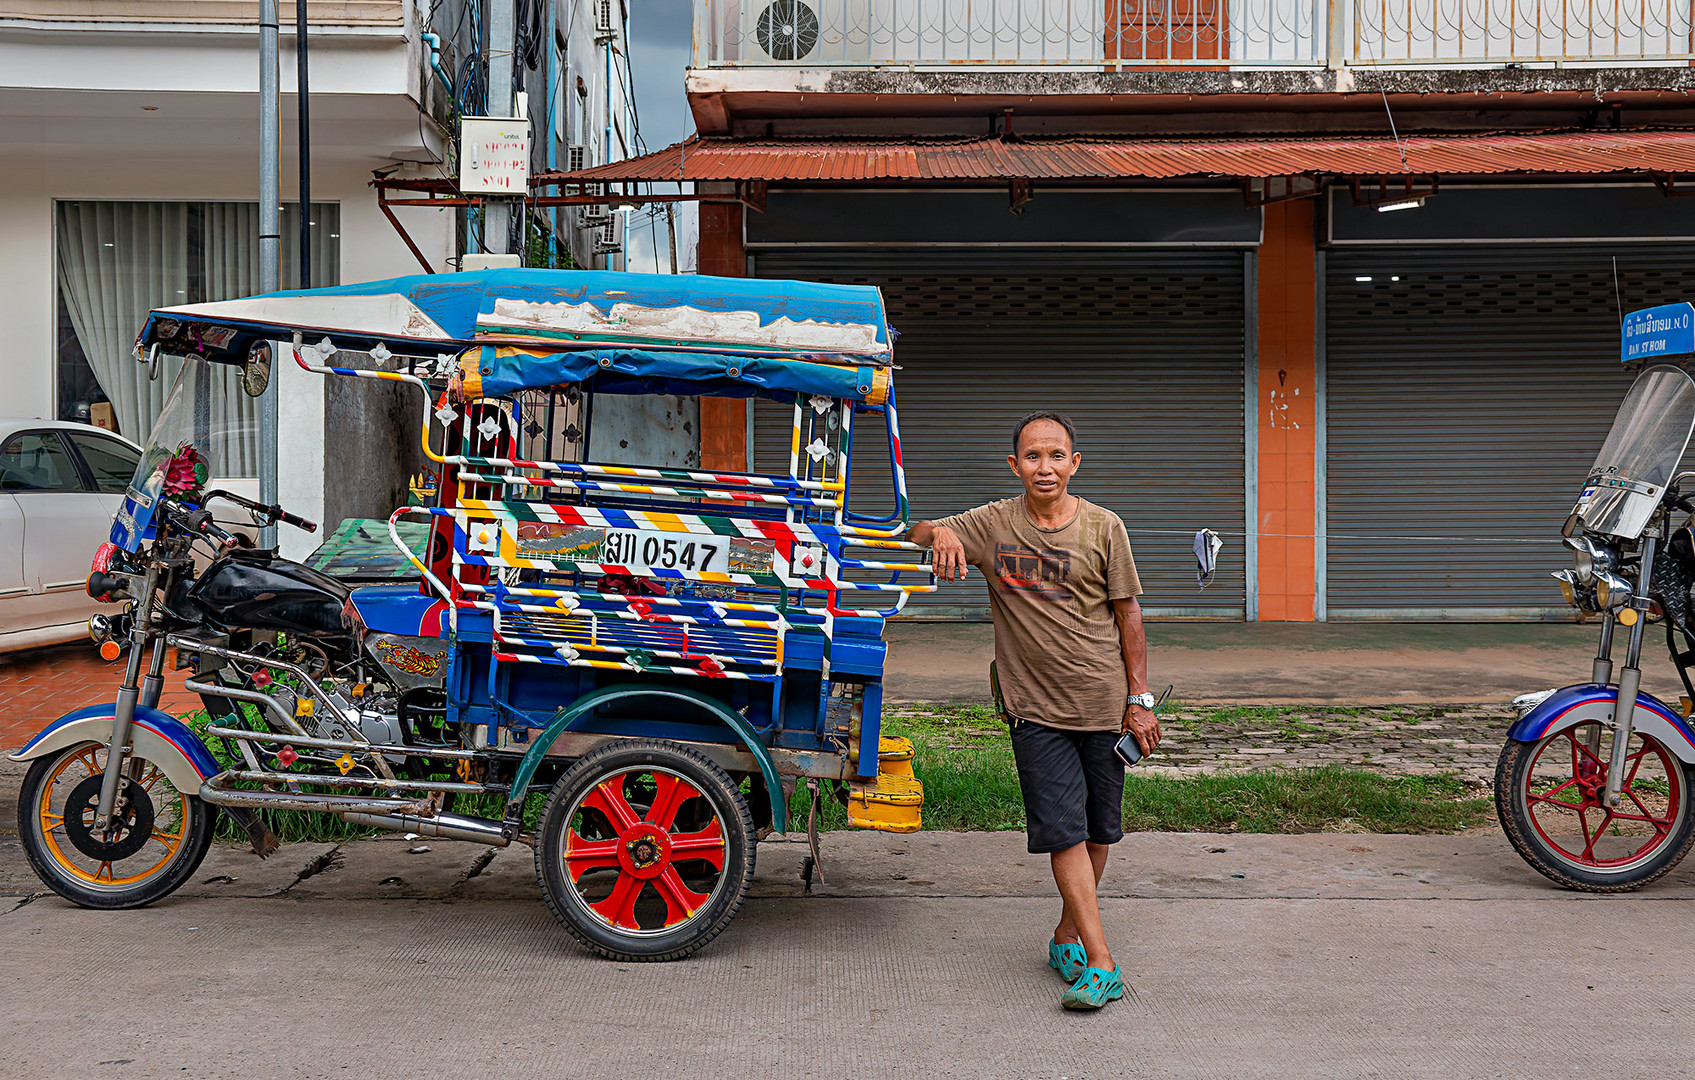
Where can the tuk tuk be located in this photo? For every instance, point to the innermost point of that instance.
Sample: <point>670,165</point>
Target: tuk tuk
<point>658,655</point>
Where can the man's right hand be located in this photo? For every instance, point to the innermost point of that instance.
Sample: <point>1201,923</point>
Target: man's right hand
<point>947,554</point>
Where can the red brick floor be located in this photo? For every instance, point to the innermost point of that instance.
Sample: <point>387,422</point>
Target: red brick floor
<point>38,686</point>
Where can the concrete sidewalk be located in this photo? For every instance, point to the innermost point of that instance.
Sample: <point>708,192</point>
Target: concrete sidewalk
<point>1302,663</point>
<point>924,956</point>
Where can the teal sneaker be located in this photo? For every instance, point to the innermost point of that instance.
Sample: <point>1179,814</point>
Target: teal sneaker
<point>1094,988</point>
<point>1068,959</point>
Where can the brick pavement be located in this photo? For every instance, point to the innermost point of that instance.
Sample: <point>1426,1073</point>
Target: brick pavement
<point>1464,739</point>
<point>38,686</point>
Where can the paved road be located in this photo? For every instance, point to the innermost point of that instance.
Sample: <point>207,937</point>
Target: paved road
<point>1249,956</point>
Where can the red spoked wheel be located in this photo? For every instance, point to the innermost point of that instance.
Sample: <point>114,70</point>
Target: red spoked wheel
<point>646,850</point>
<point>1549,796</point>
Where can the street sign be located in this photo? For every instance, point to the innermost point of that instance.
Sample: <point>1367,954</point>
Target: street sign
<point>1667,330</point>
<point>494,155</point>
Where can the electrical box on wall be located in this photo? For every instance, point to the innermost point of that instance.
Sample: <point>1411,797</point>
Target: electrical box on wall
<point>494,155</point>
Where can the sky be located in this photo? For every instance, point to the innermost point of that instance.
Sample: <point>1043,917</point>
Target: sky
<point>660,38</point>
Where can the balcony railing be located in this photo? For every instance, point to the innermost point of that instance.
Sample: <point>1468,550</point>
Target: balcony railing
<point>1519,31</point>
<point>1112,35</point>
<point>206,12</point>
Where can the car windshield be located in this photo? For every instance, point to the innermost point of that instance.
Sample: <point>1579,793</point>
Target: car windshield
<point>205,421</point>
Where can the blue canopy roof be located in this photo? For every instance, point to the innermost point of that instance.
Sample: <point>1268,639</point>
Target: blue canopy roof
<point>657,333</point>
<point>751,316</point>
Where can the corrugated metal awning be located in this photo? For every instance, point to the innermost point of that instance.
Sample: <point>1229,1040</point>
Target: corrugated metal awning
<point>995,158</point>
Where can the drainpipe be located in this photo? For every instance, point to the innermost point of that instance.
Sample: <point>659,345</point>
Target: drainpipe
<point>270,238</point>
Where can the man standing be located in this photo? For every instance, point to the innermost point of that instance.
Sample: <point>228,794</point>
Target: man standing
<point>1072,665</point>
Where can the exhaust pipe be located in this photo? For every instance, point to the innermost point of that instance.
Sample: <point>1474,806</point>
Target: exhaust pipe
<point>445,826</point>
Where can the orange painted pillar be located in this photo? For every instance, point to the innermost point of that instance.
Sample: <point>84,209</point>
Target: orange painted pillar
<point>1286,401</point>
<point>723,421</point>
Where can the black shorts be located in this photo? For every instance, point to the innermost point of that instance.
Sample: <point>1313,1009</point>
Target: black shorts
<point>1073,785</point>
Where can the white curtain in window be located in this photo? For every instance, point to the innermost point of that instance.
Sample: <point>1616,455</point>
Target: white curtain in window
<point>116,262</point>
<point>119,260</point>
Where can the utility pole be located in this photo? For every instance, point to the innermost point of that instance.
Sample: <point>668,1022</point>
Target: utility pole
<point>302,96</point>
<point>671,232</point>
<point>270,237</point>
<point>502,30</point>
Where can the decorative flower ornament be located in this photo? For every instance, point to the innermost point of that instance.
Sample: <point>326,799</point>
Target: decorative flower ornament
<point>186,472</point>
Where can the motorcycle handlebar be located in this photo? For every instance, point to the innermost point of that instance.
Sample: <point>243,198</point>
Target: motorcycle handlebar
<point>271,513</point>
<point>200,521</point>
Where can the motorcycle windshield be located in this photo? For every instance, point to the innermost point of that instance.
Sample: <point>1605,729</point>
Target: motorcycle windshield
<point>1641,454</point>
<point>207,423</point>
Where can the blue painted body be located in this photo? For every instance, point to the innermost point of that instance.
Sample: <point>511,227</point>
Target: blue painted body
<point>400,609</point>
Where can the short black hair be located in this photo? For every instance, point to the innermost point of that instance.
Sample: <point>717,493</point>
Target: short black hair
<point>1061,419</point>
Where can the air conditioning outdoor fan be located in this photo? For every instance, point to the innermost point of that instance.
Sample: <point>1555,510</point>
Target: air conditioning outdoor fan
<point>788,30</point>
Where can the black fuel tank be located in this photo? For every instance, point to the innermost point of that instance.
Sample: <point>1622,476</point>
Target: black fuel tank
<point>246,589</point>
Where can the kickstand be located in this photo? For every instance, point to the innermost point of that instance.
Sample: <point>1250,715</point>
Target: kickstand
<point>812,827</point>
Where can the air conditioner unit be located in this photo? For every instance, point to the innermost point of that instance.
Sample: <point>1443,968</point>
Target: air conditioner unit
<point>607,240</point>
<point>787,30</point>
<point>593,217</point>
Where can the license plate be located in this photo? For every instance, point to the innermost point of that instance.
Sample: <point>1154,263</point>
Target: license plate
<point>643,548</point>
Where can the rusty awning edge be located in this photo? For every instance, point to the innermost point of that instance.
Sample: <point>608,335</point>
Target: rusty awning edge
<point>990,158</point>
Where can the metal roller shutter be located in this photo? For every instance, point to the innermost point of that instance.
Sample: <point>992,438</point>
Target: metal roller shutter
<point>1143,350</point>
<point>1468,390</point>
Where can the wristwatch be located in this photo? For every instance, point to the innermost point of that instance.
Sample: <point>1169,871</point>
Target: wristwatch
<point>1146,701</point>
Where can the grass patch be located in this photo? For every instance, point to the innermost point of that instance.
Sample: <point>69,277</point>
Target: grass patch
<point>975,786</point>
<point>970,783</point>
<point>1324,799</point>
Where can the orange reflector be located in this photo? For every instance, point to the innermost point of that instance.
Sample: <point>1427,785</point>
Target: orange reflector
<point>110,650</point>
<point>1628,616</point>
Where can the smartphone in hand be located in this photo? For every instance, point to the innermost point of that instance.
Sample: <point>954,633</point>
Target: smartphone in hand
<point>1127,748</point>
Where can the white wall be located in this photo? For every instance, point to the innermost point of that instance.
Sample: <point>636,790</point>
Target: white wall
<point>370,248</point>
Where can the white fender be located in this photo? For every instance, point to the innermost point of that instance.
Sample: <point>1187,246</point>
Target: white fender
<point>1572,705</point>
<point>157,736</point>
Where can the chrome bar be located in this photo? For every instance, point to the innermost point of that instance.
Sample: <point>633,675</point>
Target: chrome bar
<point>446,826</point>
<point>218,795</point>
<point>1630,679</point>
<point>254,696</point>
<point>325,780</point>
<point>339,744</point>
<point>306,680</point>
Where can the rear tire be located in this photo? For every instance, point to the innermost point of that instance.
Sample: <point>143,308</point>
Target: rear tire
<point>1547,794</point>
<point>645,850</point>
<point>162,837</point>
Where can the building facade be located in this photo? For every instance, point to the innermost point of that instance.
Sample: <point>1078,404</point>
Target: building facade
<point>129,174</point>
<point>1340,281</point>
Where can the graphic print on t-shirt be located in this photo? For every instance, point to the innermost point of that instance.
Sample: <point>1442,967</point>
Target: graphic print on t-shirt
<point>1029,570</point>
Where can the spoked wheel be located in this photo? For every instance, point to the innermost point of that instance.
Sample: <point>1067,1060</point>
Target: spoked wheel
<point>646,850</point>
<point>158,838</point>
<point>1548,794</point>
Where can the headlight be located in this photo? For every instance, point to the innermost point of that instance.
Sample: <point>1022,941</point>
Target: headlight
<point>1569,588</point>
<point>1590,558</point>
<point>1611,591</point>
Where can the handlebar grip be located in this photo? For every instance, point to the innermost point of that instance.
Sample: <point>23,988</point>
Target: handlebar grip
<point>201,522</point>
<point>297,522</point>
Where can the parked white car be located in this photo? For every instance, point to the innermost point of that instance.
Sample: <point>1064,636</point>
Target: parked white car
<point>60,484</point>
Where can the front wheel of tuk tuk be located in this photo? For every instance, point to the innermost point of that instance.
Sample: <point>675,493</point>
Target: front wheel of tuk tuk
<point>645,850</point>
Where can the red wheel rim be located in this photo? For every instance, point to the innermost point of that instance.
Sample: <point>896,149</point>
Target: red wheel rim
<point>644,851</point>
<point>1561,792</point>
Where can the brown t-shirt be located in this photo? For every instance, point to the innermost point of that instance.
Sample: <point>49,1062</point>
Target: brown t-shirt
<point>1057,648</point>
